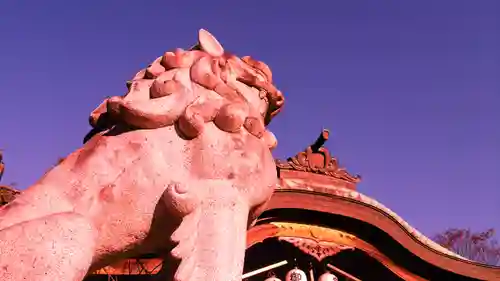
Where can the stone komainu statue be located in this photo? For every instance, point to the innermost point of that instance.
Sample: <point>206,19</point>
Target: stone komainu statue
<point>180,164</point>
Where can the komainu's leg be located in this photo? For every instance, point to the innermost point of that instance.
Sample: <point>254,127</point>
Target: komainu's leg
<point>55,247</point>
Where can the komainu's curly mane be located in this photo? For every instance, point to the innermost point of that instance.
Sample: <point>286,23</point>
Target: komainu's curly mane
<point>190,88</point>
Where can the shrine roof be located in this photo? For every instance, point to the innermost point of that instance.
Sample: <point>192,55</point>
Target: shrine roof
<point>315,169</point>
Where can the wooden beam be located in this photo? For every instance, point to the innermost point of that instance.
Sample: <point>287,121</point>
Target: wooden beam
<point>340,271</point>
<point>264,269</point>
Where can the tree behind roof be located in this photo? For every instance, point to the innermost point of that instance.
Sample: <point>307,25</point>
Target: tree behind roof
<point>477,246</point>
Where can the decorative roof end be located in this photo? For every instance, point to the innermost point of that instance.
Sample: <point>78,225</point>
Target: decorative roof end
<point>317,159</point>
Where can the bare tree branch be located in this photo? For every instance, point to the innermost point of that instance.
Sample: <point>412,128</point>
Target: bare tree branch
<point>477,246</point>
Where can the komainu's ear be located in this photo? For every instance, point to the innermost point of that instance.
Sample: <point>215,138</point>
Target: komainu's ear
<point>96,114</point>
<point>209,44</point>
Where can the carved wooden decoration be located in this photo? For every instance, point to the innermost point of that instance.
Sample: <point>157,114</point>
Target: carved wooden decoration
<point>317,159</point>
<point>7,194</point>
<point>294,232</point>
<point>318,250</point>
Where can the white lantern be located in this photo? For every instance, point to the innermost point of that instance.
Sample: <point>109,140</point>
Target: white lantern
<point>273,278</point>
<point>296,275</point>
<point>327,276</point>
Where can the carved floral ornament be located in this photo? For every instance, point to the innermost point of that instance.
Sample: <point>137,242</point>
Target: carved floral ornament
<point>317,159</point>
<point>318,242</point>
<point>319,250</point>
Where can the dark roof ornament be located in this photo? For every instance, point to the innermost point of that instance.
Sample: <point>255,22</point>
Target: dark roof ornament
<point>2,165</point>
<point>7,193</point>
<point>317,159</point>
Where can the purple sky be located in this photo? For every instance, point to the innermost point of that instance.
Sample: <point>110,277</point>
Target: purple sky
<point>409,89</point>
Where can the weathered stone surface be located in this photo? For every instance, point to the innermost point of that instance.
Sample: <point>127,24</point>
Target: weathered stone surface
<point>181,162</point>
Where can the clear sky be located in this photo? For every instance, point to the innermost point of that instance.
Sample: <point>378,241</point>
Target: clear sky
<point>409,89</point>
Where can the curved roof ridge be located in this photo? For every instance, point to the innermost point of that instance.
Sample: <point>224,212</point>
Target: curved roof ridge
<point>356,195</point>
